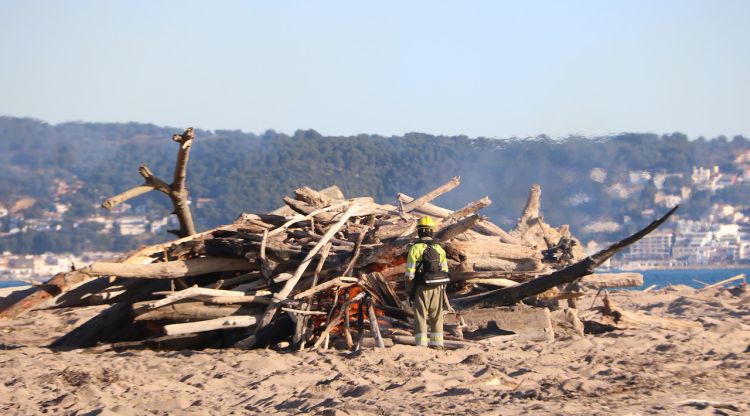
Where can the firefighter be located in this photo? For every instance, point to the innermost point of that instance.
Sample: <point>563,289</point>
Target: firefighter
<point>426,277</point>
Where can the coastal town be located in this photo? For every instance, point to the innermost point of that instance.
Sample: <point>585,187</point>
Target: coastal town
<point>721,238</point>
<point>689,244</point>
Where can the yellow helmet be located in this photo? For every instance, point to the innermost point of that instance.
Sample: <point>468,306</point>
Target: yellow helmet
<point>426,222</point>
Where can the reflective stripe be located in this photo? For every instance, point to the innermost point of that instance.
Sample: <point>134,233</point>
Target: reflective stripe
<point>441,280</point>
<point>421,339</point>
<point>409,274</point>
<point>436,339</point>
<point>411,266</point>
<point>444,266</point>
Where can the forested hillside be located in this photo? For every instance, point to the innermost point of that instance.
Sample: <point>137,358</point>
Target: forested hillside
<point>251,172</point>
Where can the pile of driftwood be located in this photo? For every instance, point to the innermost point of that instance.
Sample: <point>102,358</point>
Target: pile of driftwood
<point>321,270</point>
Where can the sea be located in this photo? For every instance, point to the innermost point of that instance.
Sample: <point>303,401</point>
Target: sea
<point>11,283</point>
<point>696,278</point>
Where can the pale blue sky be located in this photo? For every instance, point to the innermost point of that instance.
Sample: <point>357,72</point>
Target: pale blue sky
<point>495,69</point>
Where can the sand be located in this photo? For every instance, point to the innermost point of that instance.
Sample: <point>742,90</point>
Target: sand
<point>647,370</point>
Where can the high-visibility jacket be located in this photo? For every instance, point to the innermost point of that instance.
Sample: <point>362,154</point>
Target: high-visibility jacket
<point>415,256</point>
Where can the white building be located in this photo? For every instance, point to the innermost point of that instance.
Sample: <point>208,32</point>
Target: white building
<point>159,224</point>
<point>107,223</point>
<point>132,224</point>
<point>653,248</point>
<point>639,177</point>
<point>700,242</point>
<point>708,179</point>
<point>43,266</point>
<point>667,201</point>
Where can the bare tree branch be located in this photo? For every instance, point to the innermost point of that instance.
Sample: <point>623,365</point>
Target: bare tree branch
<point>177,191</point>
<point>152,180</point>
<point>110,203</point>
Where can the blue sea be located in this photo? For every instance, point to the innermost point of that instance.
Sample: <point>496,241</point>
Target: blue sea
<point>11,283</point>
<point>662,277</point>
<point>690,277</point>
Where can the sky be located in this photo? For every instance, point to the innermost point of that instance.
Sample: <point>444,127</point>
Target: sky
<point>493,69</point>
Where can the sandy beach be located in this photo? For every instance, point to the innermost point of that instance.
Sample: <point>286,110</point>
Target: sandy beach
<point>646,370</point>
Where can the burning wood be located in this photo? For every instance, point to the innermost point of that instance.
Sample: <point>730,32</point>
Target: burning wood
<point>249,284</point>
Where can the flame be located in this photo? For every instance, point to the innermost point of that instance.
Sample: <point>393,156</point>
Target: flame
<point>325,302</point>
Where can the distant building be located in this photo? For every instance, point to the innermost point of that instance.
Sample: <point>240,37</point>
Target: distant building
<point>42,267</point>
<point>107,223</point>
<point>21,262</point>
<point>37,224</point>
<point>701,243</point>
<point>686,192</point>
<point>121,208</point>
<point>159,224</point>
<point>651,249</point>
<point>132,224</point>
<point>726,214</point>
<point>726,242</point>
<point>620,191</point>
<point>639,177</point>
<point>692,243</point>
<point>61,208</point>
<point>598,175</point>
<point>667,201</point>
<point>709,179</point>
<point>742,161</point>
<point>660,178</point>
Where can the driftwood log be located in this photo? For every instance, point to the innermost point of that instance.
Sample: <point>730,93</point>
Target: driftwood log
<point>168,270</point>
<point>242,321</point>
<point>192,311</point>
<point>60,283</point>
<point>611,280</point>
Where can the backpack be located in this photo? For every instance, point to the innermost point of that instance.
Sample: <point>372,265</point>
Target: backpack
<point>429,270</point>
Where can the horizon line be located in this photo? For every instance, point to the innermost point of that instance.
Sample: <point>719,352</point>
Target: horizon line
<point>577,135</point>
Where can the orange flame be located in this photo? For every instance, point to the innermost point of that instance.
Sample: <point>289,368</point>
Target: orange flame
<point>325,302</point>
